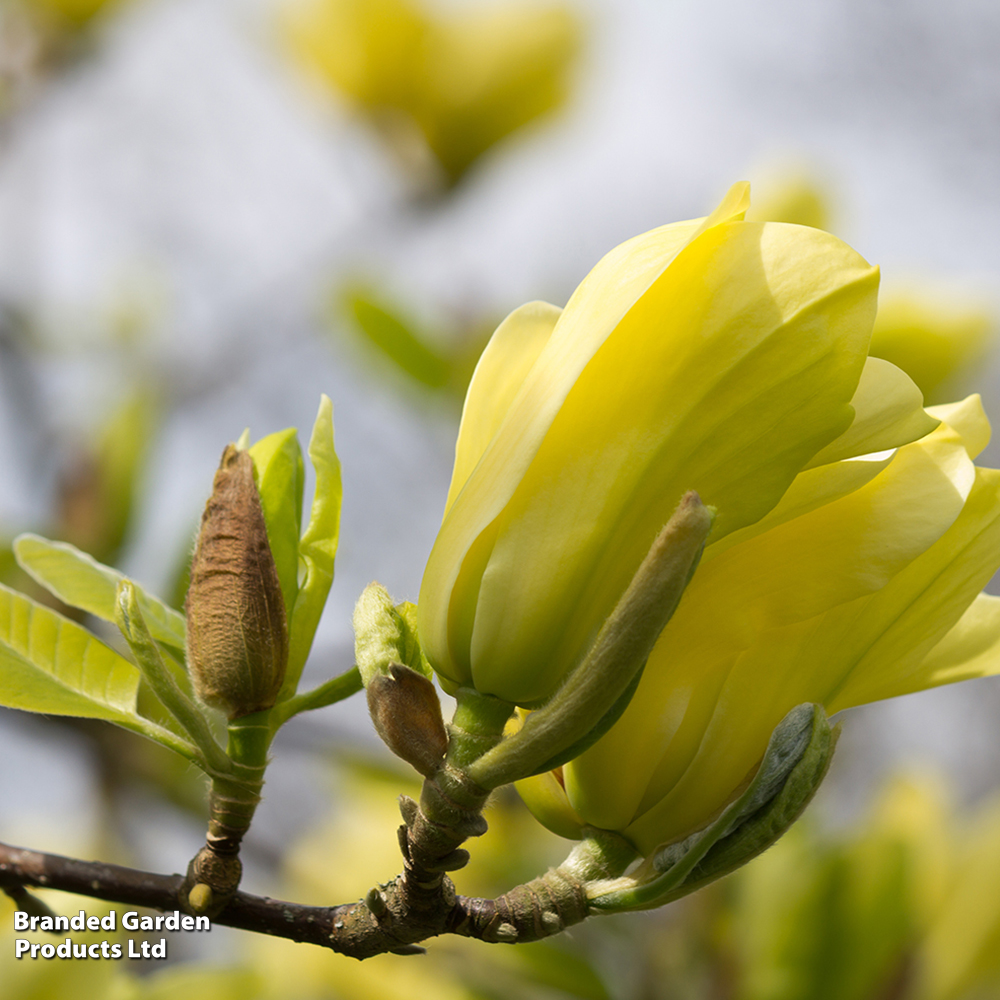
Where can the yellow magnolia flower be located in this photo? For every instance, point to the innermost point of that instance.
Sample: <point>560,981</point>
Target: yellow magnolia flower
<point>462,82</point>
<point>852,530</point>
<point>860,585</point>
<point>715,355</point>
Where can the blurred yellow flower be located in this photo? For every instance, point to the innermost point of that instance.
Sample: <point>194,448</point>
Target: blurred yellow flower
<point>906,904</point>
<point>69,15</point>
<point>460,81</point>
<point>791,196</point>
<point>934,339</point>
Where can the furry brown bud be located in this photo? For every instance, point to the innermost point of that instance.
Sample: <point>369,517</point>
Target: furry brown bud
<point>407,715</point>
<point>237,631</point>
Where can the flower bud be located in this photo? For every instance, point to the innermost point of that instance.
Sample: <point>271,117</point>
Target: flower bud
<point>237,633</point>
<point>385,634</point>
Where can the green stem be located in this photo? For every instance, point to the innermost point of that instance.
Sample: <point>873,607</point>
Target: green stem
<point>235,795</point>
<point>128,617</point>
<point>477,726</point>
<point>451,803</point>
<point>214,873</point>
<point>334,690</point>
<point>249,739</point>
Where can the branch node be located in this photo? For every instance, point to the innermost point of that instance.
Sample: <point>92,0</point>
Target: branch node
<point>506,933</point>
<point>409,809</point>
<point>375,901</point>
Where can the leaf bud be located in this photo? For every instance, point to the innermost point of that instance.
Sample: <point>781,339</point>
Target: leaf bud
<point>407,715</point>
<point>237,631</point>
<point>385,634</point>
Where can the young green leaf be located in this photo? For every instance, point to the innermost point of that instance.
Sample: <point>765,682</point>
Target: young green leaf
<point>185,712</point>
<point>80,581</point>
<point>317,548</point>
<point>51,664</point>
<point>280,479</point>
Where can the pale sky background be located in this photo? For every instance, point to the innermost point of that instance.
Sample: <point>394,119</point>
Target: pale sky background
<point>188,167</point>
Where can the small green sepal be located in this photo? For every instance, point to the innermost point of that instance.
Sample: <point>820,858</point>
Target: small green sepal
<point>598,690</point>
<point>794,765</point>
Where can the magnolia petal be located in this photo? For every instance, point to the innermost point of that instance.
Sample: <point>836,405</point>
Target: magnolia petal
<point>889,412</point>
<point>546,799</point>
<point>782,314</point>
<point>969,419</point>
<point>725,739</point>
<point>840,550</point>
<point>594,310</point>
<point>809,490</point>
<point>899,626</point>
<point>608,795</point>
<point>824,559</point>
<point>498,377</point>
<point>970,649</point>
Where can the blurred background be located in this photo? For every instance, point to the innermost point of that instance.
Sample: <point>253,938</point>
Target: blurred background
<point>211,211</point>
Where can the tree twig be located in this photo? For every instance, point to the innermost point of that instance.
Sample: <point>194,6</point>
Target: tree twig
<point>20,867</point>
<point>354,929</point>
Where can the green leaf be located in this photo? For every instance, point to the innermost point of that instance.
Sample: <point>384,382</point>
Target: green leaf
<point>188,714</point>
<point>397,341</point>
<point>80,581</point>
<point>280,477</point>
<point>317,548</point>
<point>52,665</point>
